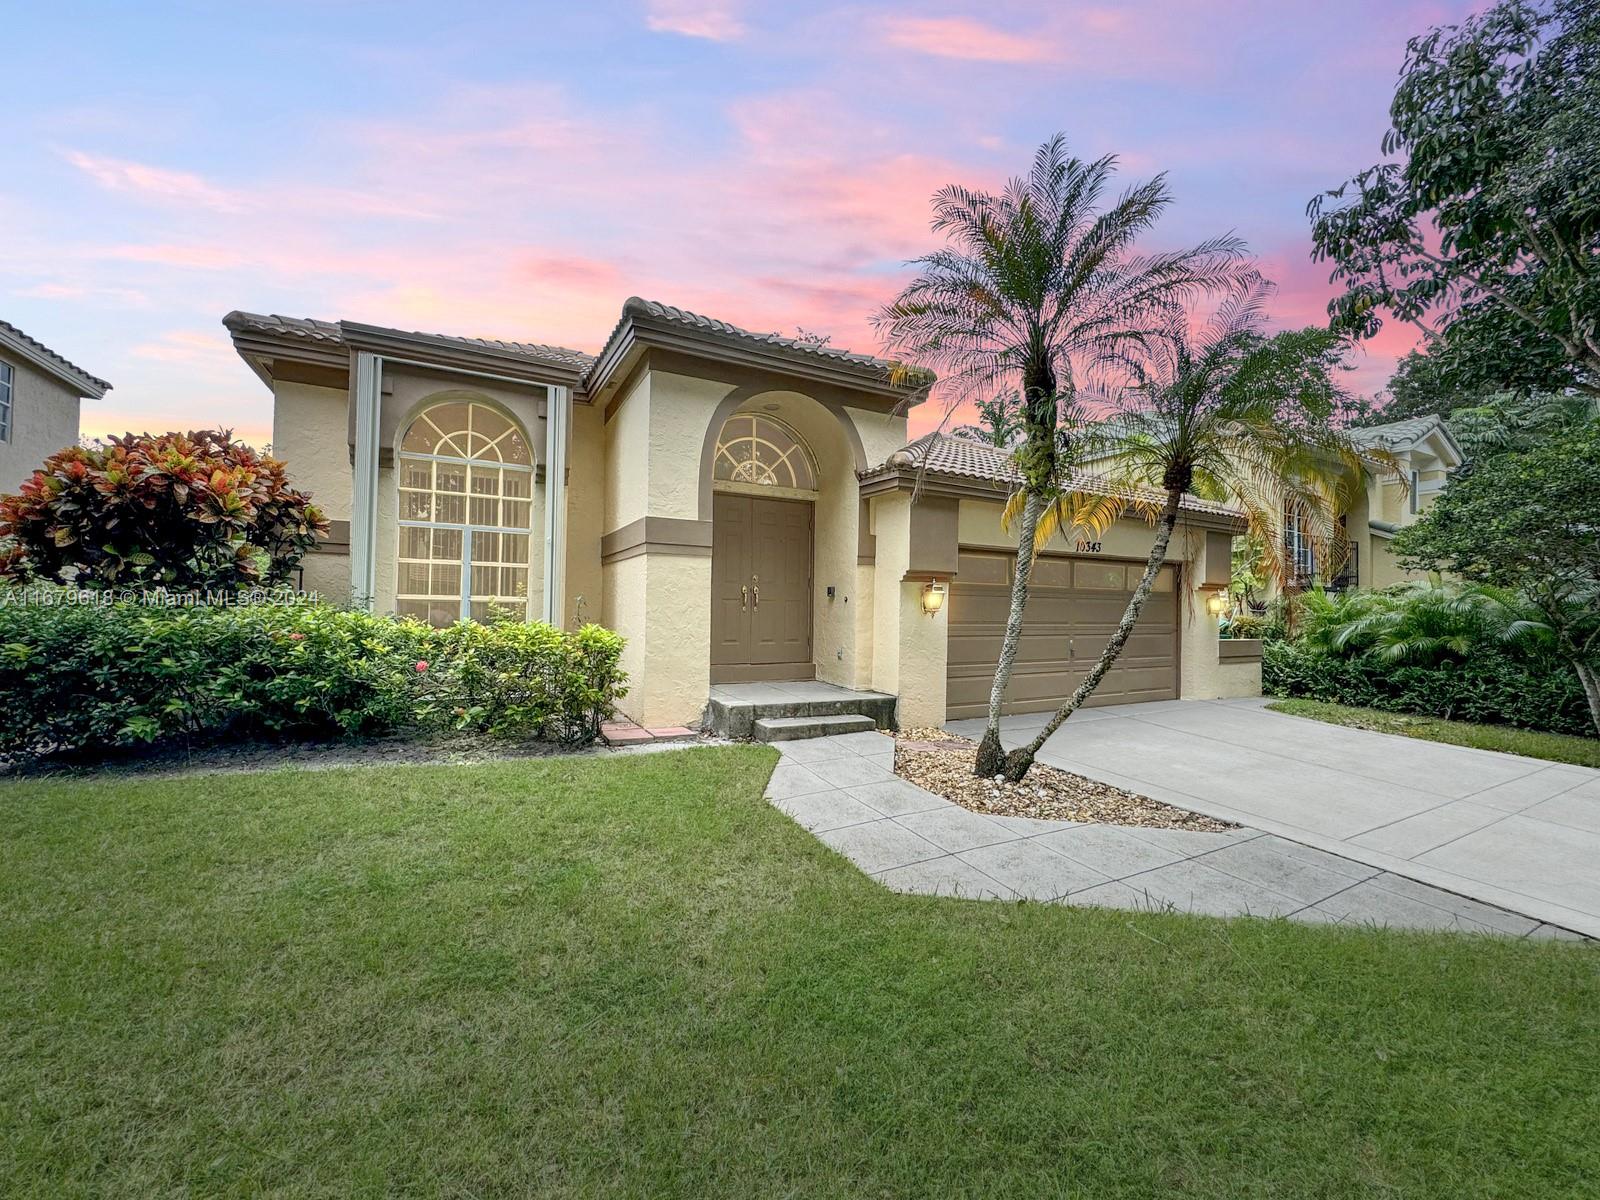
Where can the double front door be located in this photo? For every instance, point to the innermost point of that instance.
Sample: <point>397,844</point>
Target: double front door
<point>760,588</point>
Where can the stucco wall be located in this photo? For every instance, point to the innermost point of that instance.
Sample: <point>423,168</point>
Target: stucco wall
<point>44,419</point>
<point>308,434</point>
<point>586,503</point>
<point>910,648</point>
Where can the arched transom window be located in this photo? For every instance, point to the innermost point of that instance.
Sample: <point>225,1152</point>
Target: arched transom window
<point>466,511</point>
<point>760,452</point>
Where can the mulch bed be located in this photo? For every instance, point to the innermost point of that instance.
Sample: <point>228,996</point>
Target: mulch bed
<point>941,762</point>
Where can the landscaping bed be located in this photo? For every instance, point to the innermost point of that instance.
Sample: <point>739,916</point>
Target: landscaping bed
<point>942,762</point>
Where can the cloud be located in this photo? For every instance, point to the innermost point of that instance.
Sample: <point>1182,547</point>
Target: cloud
<point>965,38</point>
<point>713,20</point>
<point>156,183</point>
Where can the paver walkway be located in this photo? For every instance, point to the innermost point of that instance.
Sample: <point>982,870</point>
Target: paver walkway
<point>1518,833</point>
<point>845,791</point>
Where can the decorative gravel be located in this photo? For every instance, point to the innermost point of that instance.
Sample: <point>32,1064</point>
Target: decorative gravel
<point>941,762</point>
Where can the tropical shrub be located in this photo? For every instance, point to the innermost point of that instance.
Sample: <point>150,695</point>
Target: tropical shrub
<point>1490,688</point>
<point>103,674</point>
<point>176,510</point>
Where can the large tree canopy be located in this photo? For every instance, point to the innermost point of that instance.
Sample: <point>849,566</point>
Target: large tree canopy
<point>1527,520</point>
<point>1484,233</point>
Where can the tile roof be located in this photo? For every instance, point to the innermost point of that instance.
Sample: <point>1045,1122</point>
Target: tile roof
<point>331,333</point>
<point>945,454</point>
<point>1396,434</point>
<point>67,367</point>
<point>880,369</point>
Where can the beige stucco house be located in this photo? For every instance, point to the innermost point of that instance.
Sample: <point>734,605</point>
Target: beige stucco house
<point>40,393</point>
<point>742,507</point>
<point>1425,453</point>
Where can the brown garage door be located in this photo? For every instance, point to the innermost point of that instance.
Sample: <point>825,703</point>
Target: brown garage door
<point>1074,604</point>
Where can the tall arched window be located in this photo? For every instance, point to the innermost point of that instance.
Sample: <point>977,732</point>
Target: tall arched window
<point>466,511</point>
<point>756,451</point>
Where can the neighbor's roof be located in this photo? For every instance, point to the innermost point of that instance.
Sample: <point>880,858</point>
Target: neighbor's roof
<point>945,454</point>
<point>1403,435</point>
<point>332,333</point>
<point>47,359</point>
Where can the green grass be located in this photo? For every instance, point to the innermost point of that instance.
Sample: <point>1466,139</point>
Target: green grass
<point>1556,747</point>
<point>632,977</point>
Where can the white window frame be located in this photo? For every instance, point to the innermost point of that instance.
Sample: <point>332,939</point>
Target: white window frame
<point>466,527</point>
<point>1416,488</point>
<point>8,377</point>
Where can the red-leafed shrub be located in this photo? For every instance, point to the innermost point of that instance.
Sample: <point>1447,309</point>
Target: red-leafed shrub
<point>175,510</point>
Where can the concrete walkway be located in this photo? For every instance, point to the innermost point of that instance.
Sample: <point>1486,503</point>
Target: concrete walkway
<point>1517,833</point>
<point>845,791</point>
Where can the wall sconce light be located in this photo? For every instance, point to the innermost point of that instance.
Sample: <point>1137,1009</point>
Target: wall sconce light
<point>932,597</point>
<point>1217,603</point>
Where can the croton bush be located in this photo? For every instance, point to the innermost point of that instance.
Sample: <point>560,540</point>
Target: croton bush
<point>81,673</point>
<point>179,511</point>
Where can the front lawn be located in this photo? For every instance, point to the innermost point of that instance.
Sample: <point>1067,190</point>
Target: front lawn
<point>632,977</point>
<point>1556,747</point>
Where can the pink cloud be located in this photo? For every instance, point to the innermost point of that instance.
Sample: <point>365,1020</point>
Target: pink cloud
<point>963,37</point>
<point>714,20</point>
<point>156,183</point>
<point>188,346</point>
<point>194,257</point>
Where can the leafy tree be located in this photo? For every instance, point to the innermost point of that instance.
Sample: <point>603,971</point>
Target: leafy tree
<point>1509,422</point>
<point>999,421</point>
<point>1485,234</point>
<point>1037,286</point>
<point>1529,521</point>
<point>176,510</point>
<point>1234,413</point>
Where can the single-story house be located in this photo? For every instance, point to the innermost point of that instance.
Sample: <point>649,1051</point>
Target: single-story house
<point>40,394</point>
<point>742,507</point>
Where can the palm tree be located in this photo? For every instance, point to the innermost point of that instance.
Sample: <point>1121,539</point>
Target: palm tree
<point>999,421</point>
<point>1233,413</point>
<point>1036,287</point>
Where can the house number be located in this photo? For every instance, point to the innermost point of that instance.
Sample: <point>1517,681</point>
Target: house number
<point>1088,547</point>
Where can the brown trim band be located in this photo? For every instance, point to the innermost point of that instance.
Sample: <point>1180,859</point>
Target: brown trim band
<point>657,535</point>
<point>1238,649</point>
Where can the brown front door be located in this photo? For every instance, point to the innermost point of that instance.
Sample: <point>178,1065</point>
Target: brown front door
<point>760,589</point>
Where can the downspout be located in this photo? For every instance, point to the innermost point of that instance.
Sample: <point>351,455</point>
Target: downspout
<point>364,497</point>
<point>557,423</point>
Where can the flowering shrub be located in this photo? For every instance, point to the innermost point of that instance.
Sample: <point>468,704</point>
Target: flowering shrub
<point>179,510</point>
<point>92,677</point>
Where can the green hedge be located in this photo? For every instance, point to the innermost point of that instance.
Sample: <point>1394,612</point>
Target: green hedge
<point>1490,688</point>
<point>92,677</point>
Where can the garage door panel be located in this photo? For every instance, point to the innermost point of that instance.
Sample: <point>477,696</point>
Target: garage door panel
<point>1065,628</point>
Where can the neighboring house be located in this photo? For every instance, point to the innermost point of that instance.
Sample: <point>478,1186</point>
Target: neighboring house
<point>742,507</point>
<point>1425,453</point>
<point>39,397</point>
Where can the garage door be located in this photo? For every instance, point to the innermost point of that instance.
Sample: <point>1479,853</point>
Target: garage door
<point>1074,605</point>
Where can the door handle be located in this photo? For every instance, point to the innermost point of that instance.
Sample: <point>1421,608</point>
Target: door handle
<point>755,596</point>
<point>744,599</point>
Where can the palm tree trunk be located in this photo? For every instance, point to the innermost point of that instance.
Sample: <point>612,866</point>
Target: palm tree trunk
<point>991,755</point>
<point>1591,691</point>
<point>1018,762</point>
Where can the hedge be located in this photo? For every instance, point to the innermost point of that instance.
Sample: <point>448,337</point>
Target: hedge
<point>94,676</point>
<point>1490,688</point>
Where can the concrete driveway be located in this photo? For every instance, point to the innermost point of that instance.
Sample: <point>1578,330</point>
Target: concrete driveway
<point>1514,832</point>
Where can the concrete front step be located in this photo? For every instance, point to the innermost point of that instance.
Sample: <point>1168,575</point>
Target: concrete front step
<point>733,712</point>
<point>790,729</point>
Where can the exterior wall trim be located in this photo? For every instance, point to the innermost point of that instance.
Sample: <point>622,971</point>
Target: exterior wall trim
<point>657,535</point>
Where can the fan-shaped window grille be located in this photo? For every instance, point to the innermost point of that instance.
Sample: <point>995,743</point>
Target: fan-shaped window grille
<point>761,452</point>
<point>466,512</point>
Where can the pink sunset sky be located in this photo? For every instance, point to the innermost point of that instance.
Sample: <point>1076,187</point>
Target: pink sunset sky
<point>518,170</point>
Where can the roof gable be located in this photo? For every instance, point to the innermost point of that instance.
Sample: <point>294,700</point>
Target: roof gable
<point>51,363</point>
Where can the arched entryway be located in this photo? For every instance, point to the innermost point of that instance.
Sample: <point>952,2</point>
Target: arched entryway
<point>764,487</point>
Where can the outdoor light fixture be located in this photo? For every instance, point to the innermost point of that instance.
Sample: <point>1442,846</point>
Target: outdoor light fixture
<point>932,597</point>
<point>1217,603</point>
